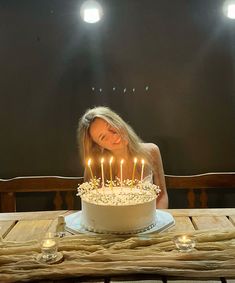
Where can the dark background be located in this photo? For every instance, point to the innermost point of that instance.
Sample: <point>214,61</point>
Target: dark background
<point>182,52</point>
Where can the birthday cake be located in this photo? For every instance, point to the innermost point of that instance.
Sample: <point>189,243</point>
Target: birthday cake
<point>126,208</point>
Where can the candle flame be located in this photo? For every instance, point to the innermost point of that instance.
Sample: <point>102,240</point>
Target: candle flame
<point>48,243</point>
<point>111,160</point>
<point>89,165</point>
<point>89,162</point>
<point>122,161</point>
<point>102,160</point>
<point>135,160</point>
<point>142,161</point>
<point>184,239</point>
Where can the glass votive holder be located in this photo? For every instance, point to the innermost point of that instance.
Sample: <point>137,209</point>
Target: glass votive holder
<point>49,247</point>
<point>184,243</point>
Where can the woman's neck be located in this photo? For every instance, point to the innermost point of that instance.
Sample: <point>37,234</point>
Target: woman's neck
<point>121,154</point>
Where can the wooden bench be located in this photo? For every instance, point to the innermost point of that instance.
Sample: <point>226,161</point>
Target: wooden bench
<point>9,188</point>
<point>202,182</point>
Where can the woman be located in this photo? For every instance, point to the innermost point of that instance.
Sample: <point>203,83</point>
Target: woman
<point>103,133</point>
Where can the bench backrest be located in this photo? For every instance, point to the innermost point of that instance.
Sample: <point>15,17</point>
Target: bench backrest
<point>202,182</point>
<point>57,184</point>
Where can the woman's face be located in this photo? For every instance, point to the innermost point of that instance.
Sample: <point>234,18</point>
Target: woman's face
<point>106,136</point>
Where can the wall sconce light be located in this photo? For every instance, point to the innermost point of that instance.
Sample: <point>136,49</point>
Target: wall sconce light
<point>91,11</point>
<point>229,9</point>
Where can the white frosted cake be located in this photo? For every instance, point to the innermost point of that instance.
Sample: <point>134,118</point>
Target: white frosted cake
<point>126,209</point>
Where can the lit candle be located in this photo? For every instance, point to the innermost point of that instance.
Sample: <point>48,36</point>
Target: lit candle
<point>121,164</point>
<point>102,171</point>
<point>142,170</point>
<point>184,243</point>
<point>110,171</point>
<point>133,173</point>
<point>89,165</point>
<point>49,246</point>
<point>48,243</point>
<point>184,239</point>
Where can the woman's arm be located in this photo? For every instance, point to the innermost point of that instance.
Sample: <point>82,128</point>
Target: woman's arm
<point>158,175</point>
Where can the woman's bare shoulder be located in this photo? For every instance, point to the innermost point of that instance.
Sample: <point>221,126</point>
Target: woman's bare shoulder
<point>152,148</point>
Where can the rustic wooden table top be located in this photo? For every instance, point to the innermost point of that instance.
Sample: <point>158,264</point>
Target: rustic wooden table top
<point>27,226</point>
<point>23,226</point>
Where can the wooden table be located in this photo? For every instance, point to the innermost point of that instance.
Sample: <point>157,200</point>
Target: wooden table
<point>29,226</point>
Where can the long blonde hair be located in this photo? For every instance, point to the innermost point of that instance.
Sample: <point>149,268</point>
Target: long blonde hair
<point>89,149</point>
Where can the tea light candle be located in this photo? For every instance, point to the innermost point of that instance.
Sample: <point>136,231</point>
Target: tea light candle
<point>48,243</point>
<point>49,246</point>
<point>184,243</point>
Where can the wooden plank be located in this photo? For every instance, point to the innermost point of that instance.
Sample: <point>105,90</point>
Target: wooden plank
<point>202,212</point>
<point>57,184</point>
<point>182,224</point>
<point>8,201</point>
<point>213,180</point>
<point>211,222</point>
<point>32,215</point>
<point>232,219</point>
<point>193,281</point>
<point>140,278</point>
<point>6,226</point>
<point>40,184</point>
<point>175,212</point>
<point>136,281</point>
<point>53,225</point>
<point>180,215</point>
<point>26,230</point>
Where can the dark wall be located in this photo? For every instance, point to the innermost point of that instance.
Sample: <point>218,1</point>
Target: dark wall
<point>183,51</point>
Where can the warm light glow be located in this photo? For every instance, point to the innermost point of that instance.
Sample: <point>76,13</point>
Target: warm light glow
<point>89,162</point>
<point>91,11</point>
<point>229,9</point>
<point>48,243</point>
<point>185,243</point>
<point>111,160</point>
<point>184,239</point>
<point>91,15</point>
<point>89,165</point>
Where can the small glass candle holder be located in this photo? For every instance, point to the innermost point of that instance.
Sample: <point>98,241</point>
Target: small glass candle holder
<point>49,247</point>
<point>184,243</point>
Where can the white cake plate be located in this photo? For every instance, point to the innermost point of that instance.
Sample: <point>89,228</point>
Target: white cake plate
<point>164,220</point>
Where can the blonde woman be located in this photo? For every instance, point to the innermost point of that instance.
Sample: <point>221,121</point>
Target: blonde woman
<point>102,133</point>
